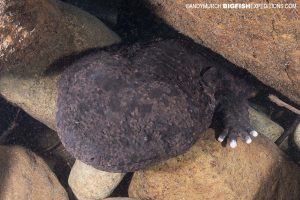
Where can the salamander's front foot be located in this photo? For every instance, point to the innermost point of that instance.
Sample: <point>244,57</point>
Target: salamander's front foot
<point>236,121</point>
<point>234,133</point>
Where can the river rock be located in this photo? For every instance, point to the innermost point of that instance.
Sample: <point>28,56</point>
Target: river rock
<point>297,136</point>
<point>210,171</point>
<point>263,41</point>
<point>25,176</point>
<point>34,35</point>
<point>42,140</point>
<point>89,183</point>
<point>295,145</point>
<point>264,125</point>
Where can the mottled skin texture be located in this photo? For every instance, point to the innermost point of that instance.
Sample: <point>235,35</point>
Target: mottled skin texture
<point>124,108</point>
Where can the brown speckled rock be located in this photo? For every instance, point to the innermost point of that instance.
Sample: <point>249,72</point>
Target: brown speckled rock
<point>263,41</point>
<point>33,35</point>
<point>88,183</point>
<point>210,171</point>
<point>25,176</point>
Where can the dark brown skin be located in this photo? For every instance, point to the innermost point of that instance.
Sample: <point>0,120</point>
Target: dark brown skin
<point>123,109</point>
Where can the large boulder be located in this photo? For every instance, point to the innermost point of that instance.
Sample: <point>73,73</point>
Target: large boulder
<point>25,176</point>
<point>263,41</point>
<point>210,171</point>
<point>35,34</point>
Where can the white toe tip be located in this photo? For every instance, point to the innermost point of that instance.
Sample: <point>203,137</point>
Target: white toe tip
<point>233,144</point>
<point>248,140</point>
<point>221,139</point>
<point>254,133</point>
